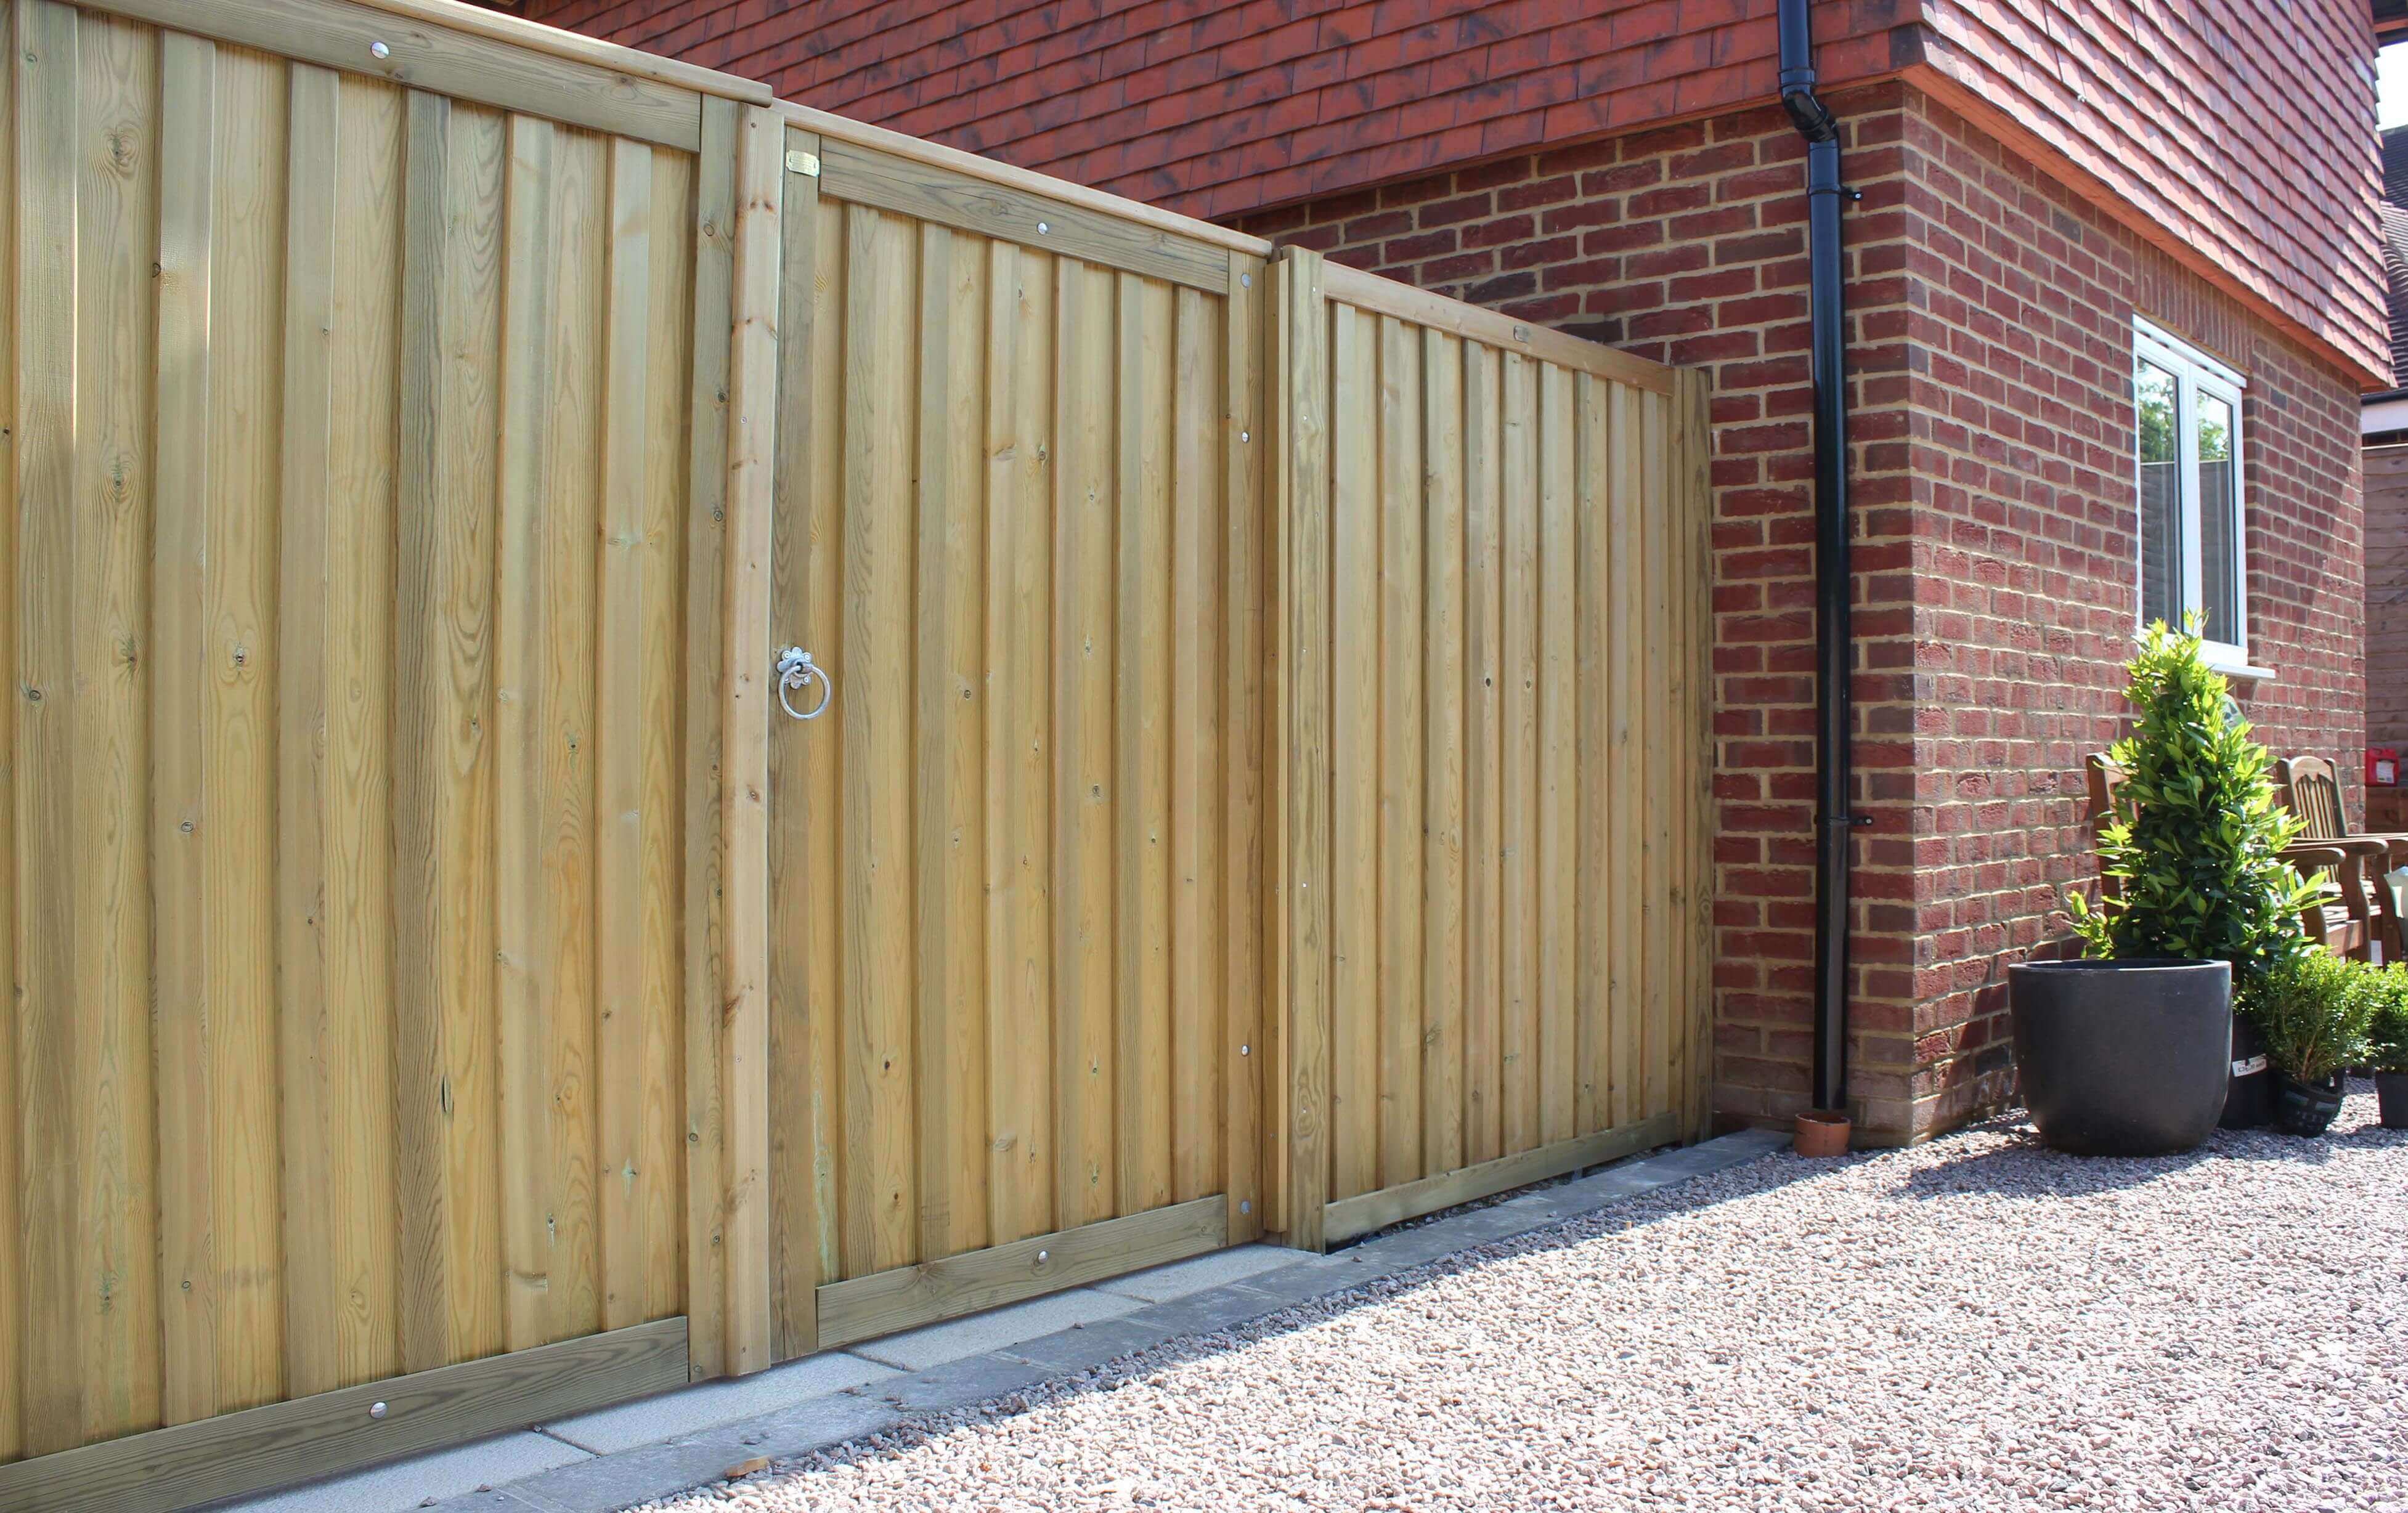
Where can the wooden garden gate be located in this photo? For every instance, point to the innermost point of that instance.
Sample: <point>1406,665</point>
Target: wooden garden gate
<point>1015,867</point>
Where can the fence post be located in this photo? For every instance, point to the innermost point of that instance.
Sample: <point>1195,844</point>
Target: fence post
<point>1695,463</point>
<point>1299,839</point>
<point>744,775</point>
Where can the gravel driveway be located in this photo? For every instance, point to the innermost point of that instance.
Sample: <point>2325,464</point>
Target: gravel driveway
<point>1977,1323</point>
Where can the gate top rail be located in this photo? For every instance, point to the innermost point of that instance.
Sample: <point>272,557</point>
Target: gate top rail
<point>969,166</point>
<point>1386,296</point>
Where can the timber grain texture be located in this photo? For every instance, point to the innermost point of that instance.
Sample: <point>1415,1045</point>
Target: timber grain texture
<point>1264,790</point>
<point>334,1432</point>
<point>884,1303</point>
<point>1492,814</point>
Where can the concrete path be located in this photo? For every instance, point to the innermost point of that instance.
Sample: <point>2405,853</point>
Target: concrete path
<point>623,1456</point>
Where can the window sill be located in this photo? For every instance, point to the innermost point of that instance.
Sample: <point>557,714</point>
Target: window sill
<point>2236,667</point>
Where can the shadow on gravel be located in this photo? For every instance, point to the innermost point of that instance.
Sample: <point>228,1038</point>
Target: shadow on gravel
<point>1996,1172</point>
<point>1766,1175</point>
<point>2044,1173</point>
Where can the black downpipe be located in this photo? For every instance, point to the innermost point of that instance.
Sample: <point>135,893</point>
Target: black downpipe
<point>1833,638</point>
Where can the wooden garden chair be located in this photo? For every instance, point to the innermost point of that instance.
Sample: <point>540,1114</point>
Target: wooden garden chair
<point>2310,788</point>
<point>2341,920</point>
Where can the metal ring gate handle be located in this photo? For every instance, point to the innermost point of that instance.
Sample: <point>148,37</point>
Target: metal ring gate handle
<point>795,669</point>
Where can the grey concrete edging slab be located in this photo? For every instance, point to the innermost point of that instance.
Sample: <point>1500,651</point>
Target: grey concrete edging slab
<point>630,1477</point>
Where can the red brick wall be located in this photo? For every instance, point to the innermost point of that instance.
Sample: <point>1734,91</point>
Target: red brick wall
<point>1217,106</point>
<point>2023,559</point>
<point>2387,598</point>
<point>2239,134</point>
<point>1992,441</point>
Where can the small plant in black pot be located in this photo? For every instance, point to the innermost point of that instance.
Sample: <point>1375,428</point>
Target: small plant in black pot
<point>2314,1010</point>
<point>2387,1043</point>
<point>2130,1053</point>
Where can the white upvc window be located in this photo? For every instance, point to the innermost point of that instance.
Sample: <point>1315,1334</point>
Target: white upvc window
<point>2193,553</point>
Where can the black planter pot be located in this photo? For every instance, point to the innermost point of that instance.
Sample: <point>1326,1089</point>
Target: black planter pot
<point>2307,1108</point>
<point>2123,1058</point>
<point>2249,1100</point>
<point>2391,1089</point>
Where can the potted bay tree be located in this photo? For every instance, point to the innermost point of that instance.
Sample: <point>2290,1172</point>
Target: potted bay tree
<point>2128,1050</point>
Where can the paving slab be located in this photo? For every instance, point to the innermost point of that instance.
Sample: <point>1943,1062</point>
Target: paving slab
<point>973,1378</point>
<point>1075,1350</point>
<point>1163,1284</point>
<point>438,1474</point>
<point>650,1419</point>
<point>1019,1347</point>
<point>611,1482</point>
<point>920,1349</point>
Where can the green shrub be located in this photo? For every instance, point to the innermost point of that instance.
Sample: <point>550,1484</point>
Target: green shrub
<point>2313,1009</point>
<point>2386,1033</point>
<point>2195,837</point>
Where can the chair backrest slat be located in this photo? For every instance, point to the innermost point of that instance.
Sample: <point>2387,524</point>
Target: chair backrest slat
<point>2309,787</point>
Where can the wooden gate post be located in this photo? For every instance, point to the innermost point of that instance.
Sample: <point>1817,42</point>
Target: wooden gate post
<point>744,775</point>
<point>1299,839</point>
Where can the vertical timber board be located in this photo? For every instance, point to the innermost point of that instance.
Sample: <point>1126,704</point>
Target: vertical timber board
<point>669,501</point>
<point>1353,759</point>
<point>947,763</point>
<point>188,100</point>
<point>1695,462</point>
<point>1197,995</point>
<point>1592,608</point>
<point>451,285</point>
<point>1019,742</point>
<point>795,749</point>
<point>107,883</point>
<point>821,575</point>
<point>1660,918</point>
<point>640,406</point>
<point>523,1007</point>
<point>879,1205</point>
<point>51,1372</point>
<point>315,1106</point>
<point>246,317</point>
<point>1277,1075</point>
<point>620,700</point>
<point>1303,510</point>
<point>1245,606</point>
<point>1483,843</point>
<point>363,380</point>
<point>705,1123</point>
<point>1444,935</point>
<point>745,690</point>
<point>1085,1181</point>
<point>1625,769</point>
<point>1518,774</point>
<point>1400,825</point>
<point>14,1101</point>
<point>1673,641</point>
<point>1136,716</point>
<point>1557,774</point>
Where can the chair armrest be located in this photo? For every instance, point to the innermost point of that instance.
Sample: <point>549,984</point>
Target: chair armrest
<point>2394,839</point>
<point>2314,856</point>
<point>2377,846</point>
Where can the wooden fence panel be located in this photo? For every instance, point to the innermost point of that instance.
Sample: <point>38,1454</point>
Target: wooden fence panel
<point>1262,789</point>
<point>1507,528</point>
<point>1006,969</point>
<point>346,555</point>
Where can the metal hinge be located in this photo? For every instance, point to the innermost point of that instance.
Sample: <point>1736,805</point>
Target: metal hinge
<point>806,163</point>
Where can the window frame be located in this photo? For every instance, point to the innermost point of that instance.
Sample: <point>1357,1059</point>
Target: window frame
<point>2196,373</point>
